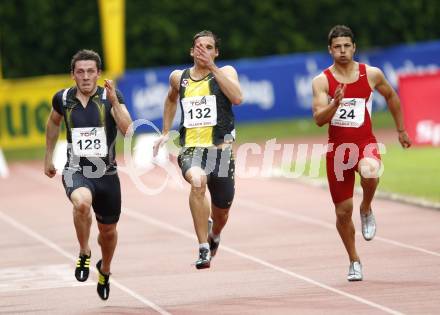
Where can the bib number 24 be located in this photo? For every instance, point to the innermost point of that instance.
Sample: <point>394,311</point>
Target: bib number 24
<point>344,114</point>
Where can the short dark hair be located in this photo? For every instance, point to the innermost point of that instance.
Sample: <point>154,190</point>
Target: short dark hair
<point>340,31</point>
<point>209,34</point>
<point>86,54</point>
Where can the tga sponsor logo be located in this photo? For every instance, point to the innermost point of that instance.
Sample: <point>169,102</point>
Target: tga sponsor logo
<point>351,102</point>
<point>428,131</point>
<point>91,133</point>
<point>199,102</point>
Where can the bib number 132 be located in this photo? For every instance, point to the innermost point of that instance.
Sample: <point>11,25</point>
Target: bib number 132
<point>198,113</point>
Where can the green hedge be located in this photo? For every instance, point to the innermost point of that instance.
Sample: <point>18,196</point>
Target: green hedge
<point>39,36</point>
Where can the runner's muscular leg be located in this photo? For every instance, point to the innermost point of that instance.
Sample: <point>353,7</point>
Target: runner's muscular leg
<point>81,199</point>
<point>219,217</point>
<point>198,202</point>
<point>345,227</point>
<point>369,170</point>
<point>107,239</point>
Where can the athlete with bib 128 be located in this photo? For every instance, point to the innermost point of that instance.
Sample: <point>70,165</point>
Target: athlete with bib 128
<point>206,94</point>
<point>92,114</point>
<point>342,97</point>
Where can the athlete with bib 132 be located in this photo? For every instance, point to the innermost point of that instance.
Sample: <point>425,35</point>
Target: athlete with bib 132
<point>206,94</point>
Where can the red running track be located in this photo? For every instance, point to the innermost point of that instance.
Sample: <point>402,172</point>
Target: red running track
<point>280,253</point>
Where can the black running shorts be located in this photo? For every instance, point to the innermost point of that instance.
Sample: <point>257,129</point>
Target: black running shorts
<point>106,194</point>
<point>219,166</point>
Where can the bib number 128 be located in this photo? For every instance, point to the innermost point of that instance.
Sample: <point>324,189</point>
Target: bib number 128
<point>89,144</point>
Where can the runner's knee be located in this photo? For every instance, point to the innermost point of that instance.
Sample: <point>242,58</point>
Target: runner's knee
<point>107,231</point>
<point>82,200</point>
<point>198,191</point>
<point>81,206</point>
<point>197,178</point>
<point>343,212</point>
<point>369,167</point>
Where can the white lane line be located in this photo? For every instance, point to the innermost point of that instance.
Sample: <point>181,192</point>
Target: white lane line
<point>288,214</point>
<point>38,277</point>
<point>149,220</point>
<point>305,219</point>
<point>61,251</point>
<point>284,213</point>
<point>262,208</point>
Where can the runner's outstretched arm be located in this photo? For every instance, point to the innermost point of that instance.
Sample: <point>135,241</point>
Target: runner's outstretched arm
<point>52,133</point>
<point>393,102</point>
<point>169,110</point>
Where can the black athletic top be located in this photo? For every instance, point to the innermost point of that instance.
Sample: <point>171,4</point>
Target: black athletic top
<point>92,128</point>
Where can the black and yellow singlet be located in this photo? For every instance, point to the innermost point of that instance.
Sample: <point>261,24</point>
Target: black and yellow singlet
<point>207,118</point>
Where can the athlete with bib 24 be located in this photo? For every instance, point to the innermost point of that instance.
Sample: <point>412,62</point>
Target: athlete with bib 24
<point>92,115</point>
<point>342,97</point>
<point>206,94</point>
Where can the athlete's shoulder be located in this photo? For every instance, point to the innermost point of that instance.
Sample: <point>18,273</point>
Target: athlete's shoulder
<point>176,74</point>
<point>373,70</point>
<point>61,92</point>
<point>321,76</point>
<point>57,101</point>
<point>58,94</point>
<point>175,77</point>
<point>320,80</point>
<point>374,74</point>
<point>229,71</point>
<point>228,68</point>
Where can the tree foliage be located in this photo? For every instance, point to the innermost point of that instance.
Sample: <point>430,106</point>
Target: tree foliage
<point>39,36</point>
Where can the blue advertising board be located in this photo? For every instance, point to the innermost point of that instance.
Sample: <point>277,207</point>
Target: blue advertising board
<point>274,87</point>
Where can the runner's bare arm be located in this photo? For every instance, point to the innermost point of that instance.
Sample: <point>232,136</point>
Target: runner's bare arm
<point>169,110</point>
<point>323,112</point>
<point>170,105</point>
<point>119,111</point>
<point>52,133</point>
<point>227,79</point>
<point>378,81</point>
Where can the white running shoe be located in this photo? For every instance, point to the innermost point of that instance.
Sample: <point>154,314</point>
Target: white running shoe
<point>368,225</point>
<point>355,271</point>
